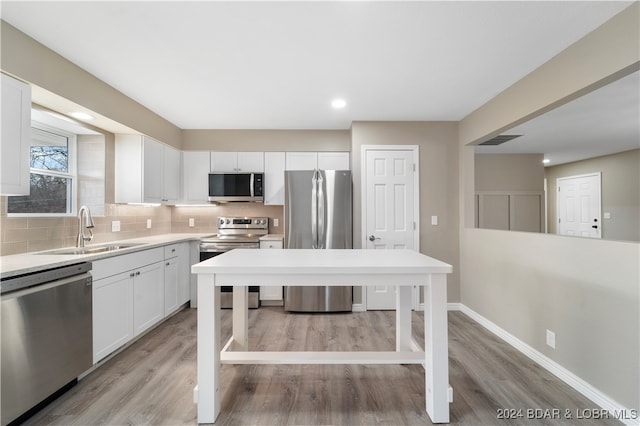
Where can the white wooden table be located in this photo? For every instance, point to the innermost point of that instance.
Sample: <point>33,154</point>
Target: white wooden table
<point>402,268</point>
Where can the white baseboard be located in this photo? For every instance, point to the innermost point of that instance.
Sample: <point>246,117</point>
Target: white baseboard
<point>615,409</point>
<point>358,307</point>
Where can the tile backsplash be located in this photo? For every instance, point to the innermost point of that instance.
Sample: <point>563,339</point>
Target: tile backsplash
<point>26,234</point>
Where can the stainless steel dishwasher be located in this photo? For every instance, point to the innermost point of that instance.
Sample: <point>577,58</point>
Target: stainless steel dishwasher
<point>47,339</point>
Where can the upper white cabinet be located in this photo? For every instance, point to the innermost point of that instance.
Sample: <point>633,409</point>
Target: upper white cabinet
<point>274,163</point>
<point>317,160</point>
<point>16,137</point>
<point>146,171</point>
<point>196,166</point>
<point>301,161</point>
<point>249,162</point>
<point>334,161</point>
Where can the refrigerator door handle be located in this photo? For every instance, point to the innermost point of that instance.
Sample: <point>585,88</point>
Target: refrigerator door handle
<point>321,213</point>
<point>314,210</point>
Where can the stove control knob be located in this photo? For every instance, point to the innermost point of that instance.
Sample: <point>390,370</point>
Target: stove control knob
<point>228,221</point>
<point>264,221</point>
<point>221,221</point>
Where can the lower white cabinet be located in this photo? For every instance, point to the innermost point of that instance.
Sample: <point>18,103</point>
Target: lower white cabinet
<point>271,295</point>
<point>148,297</point>
<point>112,314</point>
<point>176,276</point>
<point>133,292</point>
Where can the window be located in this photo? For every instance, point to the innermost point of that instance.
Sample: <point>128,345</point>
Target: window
<point>52,176</point>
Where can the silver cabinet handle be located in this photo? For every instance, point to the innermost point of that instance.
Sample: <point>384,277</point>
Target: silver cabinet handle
<point>373,238</point>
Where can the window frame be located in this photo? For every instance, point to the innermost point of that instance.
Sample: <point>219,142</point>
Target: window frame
<point>72,173</point>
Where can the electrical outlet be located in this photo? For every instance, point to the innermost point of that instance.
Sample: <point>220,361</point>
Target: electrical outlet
<point>275,222</point>
<point>192,222</point>
<point>551,339</point>
<point>434,220</point>
<point>115,226</point>
<point>148,223</point>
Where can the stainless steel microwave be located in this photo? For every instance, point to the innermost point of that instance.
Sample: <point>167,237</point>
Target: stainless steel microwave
<point>236,187</point>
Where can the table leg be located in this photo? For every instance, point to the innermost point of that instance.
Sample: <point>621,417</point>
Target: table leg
<point>208,360</point>
<point>403,318</point>
<point>436,348</point>
<point>240,318</point>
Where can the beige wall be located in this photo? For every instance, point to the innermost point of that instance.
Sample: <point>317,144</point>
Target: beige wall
<point>509,172</point>
<point>266,140</point>
<point>437,142</point>
<point>620,188</point>
<point>25,58</point>
<point>584,290</point>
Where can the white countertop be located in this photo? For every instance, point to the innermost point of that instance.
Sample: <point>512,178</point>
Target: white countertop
<point>23,263</point>
<point>307,261</point>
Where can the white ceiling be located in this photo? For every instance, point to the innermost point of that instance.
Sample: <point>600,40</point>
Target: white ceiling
<point>278,65</point>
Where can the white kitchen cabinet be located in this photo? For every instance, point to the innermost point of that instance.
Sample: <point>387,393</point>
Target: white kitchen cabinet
<point>274,165</point>
<point>196,166</point>
<point>16,137</point>
<point>119,314</point>
<point>334,161</point>
<point>248,162</point>
<point>271,295</point>
<point>148,297</point>
<point>301,161</point>
<point>171,162</point>
<point>146,171</point>
<point>317,160</point>
<point>176,276</point>
<point>112,314</point>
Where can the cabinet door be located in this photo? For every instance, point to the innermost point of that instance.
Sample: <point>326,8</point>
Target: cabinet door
<point>195,175</point>
<point>272,293</point>
<point>333,161</point>
<point>251,162</point>
<point>112,314</point>
<point>148,297</point>
<point>184,273</point>
<point>16,137</point>
<point>224,161</point>
<point>171,175</point>
<point>301,160</point>
<point>152,174</point>
<point>170,285</point>
<point>274,163</point>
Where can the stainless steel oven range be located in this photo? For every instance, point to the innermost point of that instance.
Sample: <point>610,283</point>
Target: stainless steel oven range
<point>235,232</point>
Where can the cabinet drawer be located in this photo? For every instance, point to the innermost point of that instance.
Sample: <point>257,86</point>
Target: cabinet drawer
<point>172,250</point>
<point>269,244</point>
<point>126,262</point>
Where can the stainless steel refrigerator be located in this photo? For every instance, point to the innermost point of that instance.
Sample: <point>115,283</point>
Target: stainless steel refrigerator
<point>317,215</point>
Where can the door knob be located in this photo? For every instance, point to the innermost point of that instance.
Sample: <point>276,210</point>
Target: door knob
<point>373,238</point>
<point>594,226</point>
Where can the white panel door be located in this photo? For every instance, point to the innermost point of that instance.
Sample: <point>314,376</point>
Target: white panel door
<point>579,206</point>
<point>390,211</point>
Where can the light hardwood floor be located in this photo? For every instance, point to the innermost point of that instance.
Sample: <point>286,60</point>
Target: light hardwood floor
<point>151,382</point>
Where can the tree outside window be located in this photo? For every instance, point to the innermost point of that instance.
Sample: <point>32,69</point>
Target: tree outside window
<point>52,174</point>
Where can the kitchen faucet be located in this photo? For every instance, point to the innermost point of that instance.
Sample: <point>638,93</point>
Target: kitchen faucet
<point>88,224</point>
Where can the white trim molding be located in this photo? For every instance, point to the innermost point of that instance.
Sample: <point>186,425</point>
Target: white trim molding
<point>586,389</point>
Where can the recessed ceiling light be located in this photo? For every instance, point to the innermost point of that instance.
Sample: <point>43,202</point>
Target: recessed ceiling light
<point>81,115</point>
<point>546,161</point>
<point>338,103</point>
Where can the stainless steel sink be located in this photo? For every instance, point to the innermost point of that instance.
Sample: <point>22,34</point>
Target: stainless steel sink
<point>92,249</point>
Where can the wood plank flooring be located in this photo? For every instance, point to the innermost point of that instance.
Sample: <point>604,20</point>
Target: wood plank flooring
<point>151,382</point>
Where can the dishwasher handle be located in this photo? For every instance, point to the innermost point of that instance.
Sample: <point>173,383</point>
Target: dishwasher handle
<point>86,277</point>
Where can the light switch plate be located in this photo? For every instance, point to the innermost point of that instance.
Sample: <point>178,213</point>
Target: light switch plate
<point>115,226</point>
<point>192,222</point>
<point>434,220</point>
<point>148,223</point>
<point>275,222</point>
